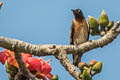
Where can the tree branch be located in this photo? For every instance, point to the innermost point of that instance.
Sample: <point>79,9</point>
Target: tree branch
<point>64,60</point>
<point>103,41</point>
<point>43,50</point>
<point>23,70</point>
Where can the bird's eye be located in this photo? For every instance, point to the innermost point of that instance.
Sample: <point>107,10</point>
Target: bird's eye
<point>78,10</point>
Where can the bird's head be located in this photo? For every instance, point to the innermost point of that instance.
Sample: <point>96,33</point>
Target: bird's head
<point>78,13</point>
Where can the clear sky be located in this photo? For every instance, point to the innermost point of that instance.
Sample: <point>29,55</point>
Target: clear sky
<point>48,22</point>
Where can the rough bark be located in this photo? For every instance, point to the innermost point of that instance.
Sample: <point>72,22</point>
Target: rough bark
<point>59,51</point>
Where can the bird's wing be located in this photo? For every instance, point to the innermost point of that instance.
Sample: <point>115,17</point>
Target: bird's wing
<point>72,33</point>
<point>88,29</point>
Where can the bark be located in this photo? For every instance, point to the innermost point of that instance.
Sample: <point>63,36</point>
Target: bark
<point>59,51</point>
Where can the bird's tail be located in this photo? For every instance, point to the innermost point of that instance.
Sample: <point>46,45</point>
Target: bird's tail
<point>76,59</point>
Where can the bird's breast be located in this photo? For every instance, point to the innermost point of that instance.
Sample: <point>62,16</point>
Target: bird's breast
<point>80,32</point>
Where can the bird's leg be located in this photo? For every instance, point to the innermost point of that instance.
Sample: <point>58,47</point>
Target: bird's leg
<point>79,57</point>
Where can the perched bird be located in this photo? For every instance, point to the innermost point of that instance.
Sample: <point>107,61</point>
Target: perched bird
<point>79,32</point>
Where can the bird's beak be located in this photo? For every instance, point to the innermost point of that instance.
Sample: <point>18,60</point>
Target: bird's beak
<point>72,10</point>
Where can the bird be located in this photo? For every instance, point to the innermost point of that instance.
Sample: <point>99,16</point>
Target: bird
<point>79,33</point>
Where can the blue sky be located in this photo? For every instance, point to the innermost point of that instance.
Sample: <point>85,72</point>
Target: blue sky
<point>48,22</point>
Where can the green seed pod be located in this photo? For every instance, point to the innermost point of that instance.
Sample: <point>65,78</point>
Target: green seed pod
<point>97,67</point>
<point>110,25</point>
<point>94,32</point>
<point>103,20</point>
<point>86,75</point>
<point>92,62</point>
<point>55,77</point>
<point>92,22</point>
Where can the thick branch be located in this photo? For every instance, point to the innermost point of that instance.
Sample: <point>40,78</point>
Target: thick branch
<point>42,50</point>
<point>21,46</point>
<point>62,56</point>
